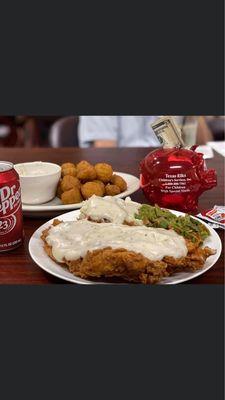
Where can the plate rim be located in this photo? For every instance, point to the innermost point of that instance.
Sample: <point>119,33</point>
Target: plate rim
<point>76,206</point>
<point>87,282</point>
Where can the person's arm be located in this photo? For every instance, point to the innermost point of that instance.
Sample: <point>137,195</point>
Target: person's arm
<point>98,131</point>
<point>204,133</point>
<point>105,143</point>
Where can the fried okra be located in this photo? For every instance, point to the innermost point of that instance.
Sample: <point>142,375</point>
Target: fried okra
<point>91,188</point>
<point>119,181</point>
<point>72,196</point>
<point>101,183</point>
<point>85,171</point>
<point>67,165</point>
<point>112,190</point>
<point>72,171</point>
<point>69,182</point>
<point>104,172</point>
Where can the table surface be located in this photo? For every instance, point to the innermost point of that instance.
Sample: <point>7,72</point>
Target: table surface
<point>17,267</point>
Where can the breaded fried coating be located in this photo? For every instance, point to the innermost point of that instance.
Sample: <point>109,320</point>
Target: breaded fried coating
<point>119,181</point>
<point>112,190</point>
<point>72,171</point>
<point>101,183</point>
<point>91,188</point>
<point>133,266</point>
<point>194,261</point>
<point>121,263</point>
<point>104,172</point>
<point>67,165</point>
<point>72,196</point>
<point>83,164</point>
<point>85,171</point>
<point>69,182</point>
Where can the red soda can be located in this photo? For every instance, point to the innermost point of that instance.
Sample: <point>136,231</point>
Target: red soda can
<point>11,218</point>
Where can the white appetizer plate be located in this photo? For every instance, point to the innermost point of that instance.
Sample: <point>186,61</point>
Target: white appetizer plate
<point>36,249</point>
<point>55,206</point>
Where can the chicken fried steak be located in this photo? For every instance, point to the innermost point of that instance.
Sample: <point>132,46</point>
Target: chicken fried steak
<point>129,263</point>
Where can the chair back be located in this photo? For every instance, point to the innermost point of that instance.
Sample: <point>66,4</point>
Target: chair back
<point>64,132</point>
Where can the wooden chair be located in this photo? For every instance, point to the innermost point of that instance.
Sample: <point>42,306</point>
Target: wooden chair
<point>64,132</point>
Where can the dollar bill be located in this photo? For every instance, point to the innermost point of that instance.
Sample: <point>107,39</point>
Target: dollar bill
<point>167,132</point>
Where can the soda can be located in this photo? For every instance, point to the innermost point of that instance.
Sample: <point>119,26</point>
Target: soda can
<point>11,218</point>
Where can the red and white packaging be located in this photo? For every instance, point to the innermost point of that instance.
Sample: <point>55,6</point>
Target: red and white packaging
<point>216,216</point>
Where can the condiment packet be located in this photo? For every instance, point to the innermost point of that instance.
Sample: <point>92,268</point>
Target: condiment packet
<point>216,216</point>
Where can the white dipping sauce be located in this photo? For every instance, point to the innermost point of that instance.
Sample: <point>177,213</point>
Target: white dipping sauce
<point>72,240</point>
<point>36,168</point>
<point>111,209</point>
<point>38,181</point>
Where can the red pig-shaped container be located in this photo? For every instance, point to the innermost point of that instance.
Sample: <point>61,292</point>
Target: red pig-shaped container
<point>175,178</point>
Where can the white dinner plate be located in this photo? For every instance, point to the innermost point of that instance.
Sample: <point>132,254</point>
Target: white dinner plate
<point>55,206</point>
<point>36,249</point>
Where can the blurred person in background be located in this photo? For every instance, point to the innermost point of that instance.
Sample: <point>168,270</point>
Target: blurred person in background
<point>25,131</point>
<point>131,131</point>
<point>8,131</point>
<point>18,131</point>
<point>33,131</point>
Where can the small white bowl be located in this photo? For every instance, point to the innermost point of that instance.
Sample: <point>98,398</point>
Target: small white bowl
<point>38,181</point>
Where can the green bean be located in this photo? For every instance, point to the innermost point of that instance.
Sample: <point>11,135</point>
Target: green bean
<point>160,218</point>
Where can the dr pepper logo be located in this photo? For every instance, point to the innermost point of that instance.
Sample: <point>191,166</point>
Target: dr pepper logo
<point>10,199</point>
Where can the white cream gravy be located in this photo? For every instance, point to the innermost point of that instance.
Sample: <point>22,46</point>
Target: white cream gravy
<point>111,209</point>
<point>72,240</point>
